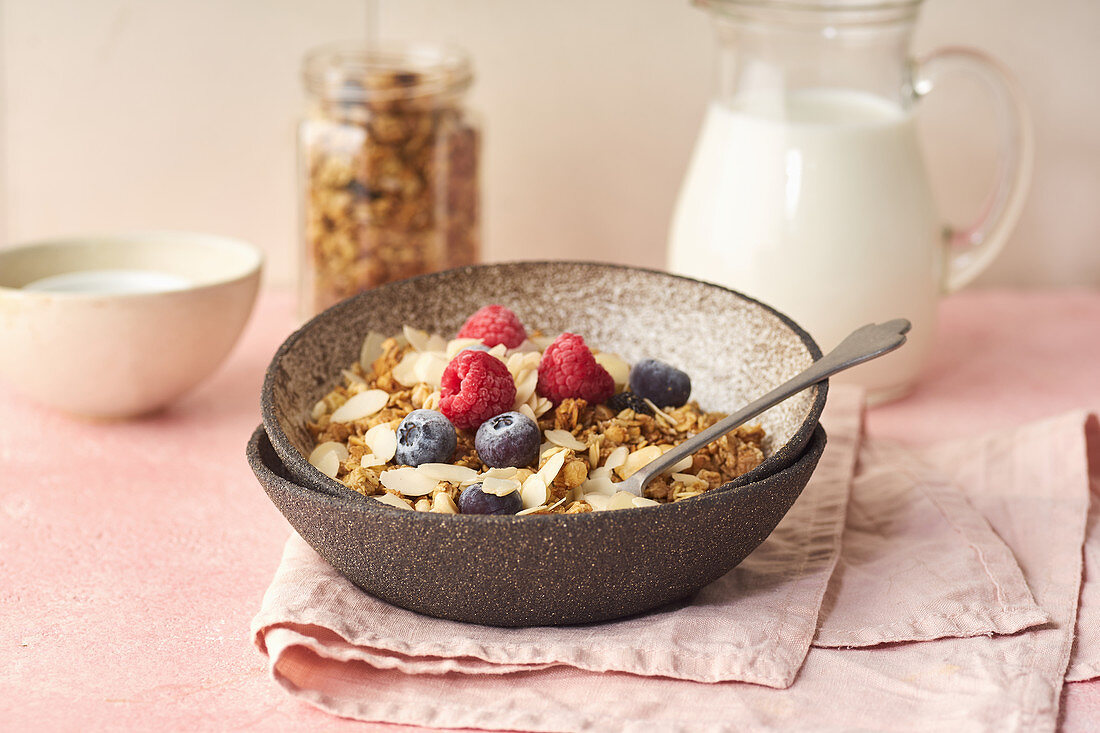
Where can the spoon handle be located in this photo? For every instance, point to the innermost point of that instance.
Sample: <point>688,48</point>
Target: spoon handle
<point>863,344</point>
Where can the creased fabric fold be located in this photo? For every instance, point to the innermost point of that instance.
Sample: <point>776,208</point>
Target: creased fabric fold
<point>958,570</point>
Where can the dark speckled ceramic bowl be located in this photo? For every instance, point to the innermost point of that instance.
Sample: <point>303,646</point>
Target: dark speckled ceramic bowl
<point>557,569</point>
<point>538,570</point>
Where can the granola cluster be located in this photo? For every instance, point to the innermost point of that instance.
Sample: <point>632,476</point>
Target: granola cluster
<point>587,449</point>
<point>390,189</point>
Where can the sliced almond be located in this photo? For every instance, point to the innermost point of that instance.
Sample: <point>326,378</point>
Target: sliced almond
<point>602,485</point>
<point>526,382</point>
<point>540,405</point>
<point>444,504</point>
<point>352,378</point>
<point>456,345</point>
<point>514,362</point>
<point>598,502</point>
<point>528,347</point>
<point>641,501</point>
<point>408,481</point>
<point>617,457</point>
<point>369,460</point>
<point>518,362</point>
<point>615,366</point>
<point>437,343</point>
<point>600,472</point>
<point>429,368</point>
<point>565,439</point>
<point>327,457</point>
<point>370,350</point>
<point>417,339</point>
<point>621,500</point>
<point>382,441</point>
<point>447,472</point>
<point>541,342</point>
<point>499,486</point>
<point>320,408</point>
<point>534,492</point>
<point>505,472</point>
<point>553,465</point>
<point>637,459</point>
<point>542,509</point>
<point>361,405</point>
<point>391,500</point>
<point>423,504</point>
<point>526,410</point>
<point>594,453</point>
<point>404,372</point>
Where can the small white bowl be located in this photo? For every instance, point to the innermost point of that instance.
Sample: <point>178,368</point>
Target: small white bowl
<point>120,325</point>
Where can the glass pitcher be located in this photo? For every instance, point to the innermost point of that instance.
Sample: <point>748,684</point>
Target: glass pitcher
<point>807,188</point>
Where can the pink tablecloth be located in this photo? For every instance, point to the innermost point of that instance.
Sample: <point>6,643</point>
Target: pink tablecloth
<point>132,555</point>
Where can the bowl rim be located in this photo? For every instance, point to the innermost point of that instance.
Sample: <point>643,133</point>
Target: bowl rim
<point>783,457</point>
<point>251,268</point>
<point>357,502</point>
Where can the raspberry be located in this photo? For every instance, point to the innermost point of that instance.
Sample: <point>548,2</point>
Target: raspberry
<point>494,324</point>
<point>476,386</point>
<point>568,369</point>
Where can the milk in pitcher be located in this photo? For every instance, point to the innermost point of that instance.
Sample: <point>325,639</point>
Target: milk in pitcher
<point>817,202</point>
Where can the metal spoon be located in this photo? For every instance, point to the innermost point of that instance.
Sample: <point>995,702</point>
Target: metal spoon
<point>863,344</point>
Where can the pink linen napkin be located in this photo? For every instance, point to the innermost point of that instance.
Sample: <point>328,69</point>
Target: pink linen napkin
<point>1085,660</point>
<point>918,563</point>
<point>895,583</point>
<point>755,624</point>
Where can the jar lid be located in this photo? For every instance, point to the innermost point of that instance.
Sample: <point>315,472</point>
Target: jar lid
<point>349,72</point>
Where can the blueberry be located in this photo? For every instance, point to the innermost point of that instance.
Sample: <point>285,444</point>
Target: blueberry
<point>660,383</point>
<point>474,347</point>
<point>475,501</point>
<point>509,439</point>
<point>626,399</point>
<point>425,436</point>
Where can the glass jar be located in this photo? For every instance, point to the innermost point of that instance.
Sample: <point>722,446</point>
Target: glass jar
<point>388,167</point>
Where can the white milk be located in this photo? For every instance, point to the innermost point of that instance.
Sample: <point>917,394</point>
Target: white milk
<point>110,282</point>
<point>818,204</point>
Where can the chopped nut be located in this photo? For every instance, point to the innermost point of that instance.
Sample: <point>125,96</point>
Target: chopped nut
<point>573,474</point>
<point>444,504</point>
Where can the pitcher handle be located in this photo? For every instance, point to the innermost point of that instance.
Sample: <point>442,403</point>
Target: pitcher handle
<point>971,249</point>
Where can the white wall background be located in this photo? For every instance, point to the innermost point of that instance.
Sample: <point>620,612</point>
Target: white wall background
<point>123,114</point>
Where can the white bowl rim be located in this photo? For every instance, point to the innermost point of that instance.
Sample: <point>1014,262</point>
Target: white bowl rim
<point>252,255</point>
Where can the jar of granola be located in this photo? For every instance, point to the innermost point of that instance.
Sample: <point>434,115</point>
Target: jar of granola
<point>388,159</point>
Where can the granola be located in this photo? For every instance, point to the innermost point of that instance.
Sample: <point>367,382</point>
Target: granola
<point>586,449</point>
<point>390,190</point>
